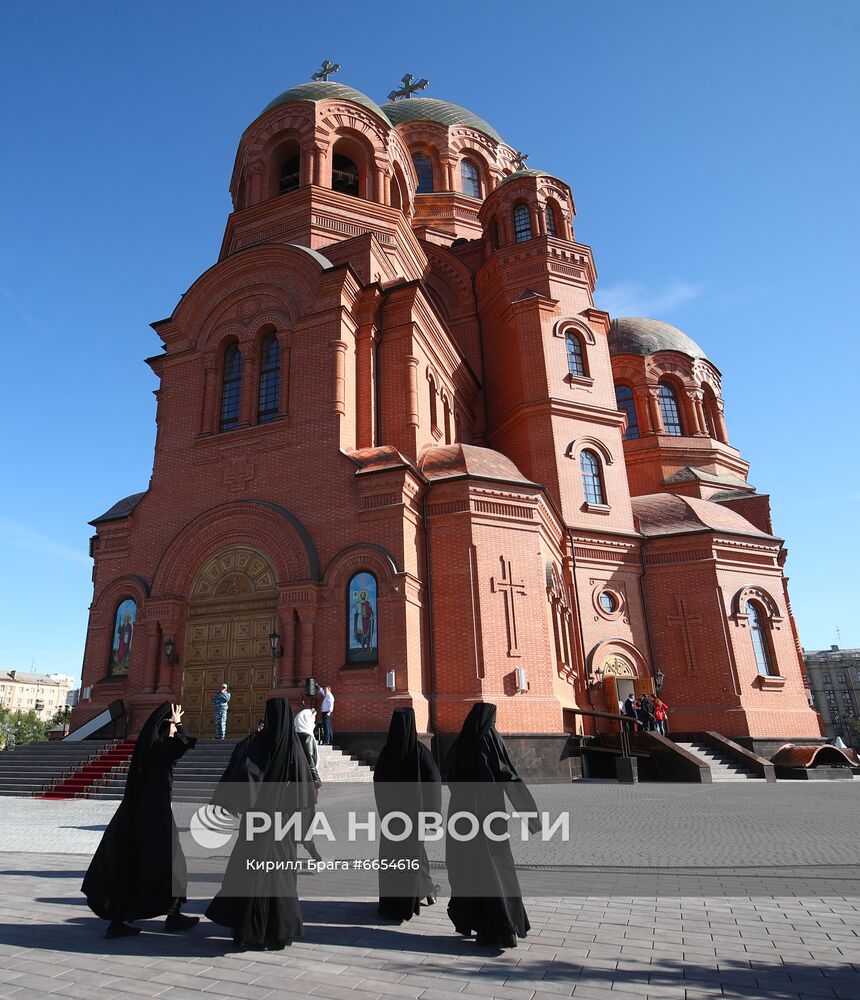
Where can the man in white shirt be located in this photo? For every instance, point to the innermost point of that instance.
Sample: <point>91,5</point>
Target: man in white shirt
<point>326,710</point>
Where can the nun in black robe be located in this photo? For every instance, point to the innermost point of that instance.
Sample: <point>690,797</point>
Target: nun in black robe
<point>138,870</point>
<point>485,890</point>
<point>406,780</point>
<point>271,777</point>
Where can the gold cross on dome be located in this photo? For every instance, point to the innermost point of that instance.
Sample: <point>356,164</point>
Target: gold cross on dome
<point>520,160</point>
<point>410,87</point>
<point>327,69</point>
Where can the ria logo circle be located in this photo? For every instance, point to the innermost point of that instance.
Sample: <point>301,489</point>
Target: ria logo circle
<point>211,827</point>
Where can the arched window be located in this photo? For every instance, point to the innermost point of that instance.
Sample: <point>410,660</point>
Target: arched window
<point>434,413</point>
<point>362,643</point>
<point>592,481</point>
<point>470,178</point>
<point>550,221</point>
<point>446,410</point>
<point>123,634</point>
<point>625,402</point>
<point>396,195</point>
<point>575,359</point>
<point>424,169</point>
<point>289,179</point>
<point>344,175</point>
<point>231,388</point>
<point>670,414</point>
<point>522,223</point>
<point>761,647</point>
<point>268,403</point>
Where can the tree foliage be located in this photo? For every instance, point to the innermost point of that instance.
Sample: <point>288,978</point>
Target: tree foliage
<point>17,728</point>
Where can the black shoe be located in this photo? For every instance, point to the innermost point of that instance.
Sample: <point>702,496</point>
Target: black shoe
<point>500,942</point>
<point>463,931</point>
<point>179,922</point>
<point>311,848</point>
<point>118,929</point>
<point>431,899</point>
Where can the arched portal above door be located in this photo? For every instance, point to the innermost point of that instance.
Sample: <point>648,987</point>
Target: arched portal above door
<point>618,666</point>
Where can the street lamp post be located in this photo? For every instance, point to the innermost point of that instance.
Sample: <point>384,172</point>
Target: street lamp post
<point>277,652</point>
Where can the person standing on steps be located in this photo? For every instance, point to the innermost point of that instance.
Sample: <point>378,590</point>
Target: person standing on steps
<point>326,710</point>
<point>305,724</point>
<point>138,870</point>
<point>629,710</point>
<point>222,701</point>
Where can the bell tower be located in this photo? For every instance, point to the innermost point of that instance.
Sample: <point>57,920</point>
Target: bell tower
<point>550,396</point>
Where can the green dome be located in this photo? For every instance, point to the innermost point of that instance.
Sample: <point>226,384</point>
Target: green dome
<point>636,335</point>
<point>428,109</point>
<point>327,90</point>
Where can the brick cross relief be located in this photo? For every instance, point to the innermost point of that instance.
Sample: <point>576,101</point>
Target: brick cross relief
<point>684,620</point>
<point>506,585</point>
<point>238,473</point>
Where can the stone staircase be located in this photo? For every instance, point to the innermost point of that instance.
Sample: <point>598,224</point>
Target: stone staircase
<point>36,767</point>
<point>723,768</point>
<point>79,782</point>
<point>197,773</point>
<point>337,765</point>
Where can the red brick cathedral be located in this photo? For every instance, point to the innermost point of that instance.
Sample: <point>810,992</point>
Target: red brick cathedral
<point>401,451</point>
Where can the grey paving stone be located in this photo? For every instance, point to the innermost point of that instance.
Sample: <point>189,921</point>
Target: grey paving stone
<point>334,992</point>
<point>387,988</point>
<point>604,944</point>
<point>137,987</point>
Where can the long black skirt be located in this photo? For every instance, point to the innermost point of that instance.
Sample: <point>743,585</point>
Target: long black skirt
<point>269,916</point>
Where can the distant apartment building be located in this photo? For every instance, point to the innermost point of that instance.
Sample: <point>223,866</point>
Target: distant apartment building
<point>834,680</point>
<point>23,691</point>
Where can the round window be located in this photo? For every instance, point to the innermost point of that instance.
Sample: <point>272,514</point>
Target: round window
<point>608,602</point>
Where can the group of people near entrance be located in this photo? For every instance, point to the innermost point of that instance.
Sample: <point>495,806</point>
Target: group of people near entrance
<point>138,871</point>
<point>221,702</point>
<point>645,714</point>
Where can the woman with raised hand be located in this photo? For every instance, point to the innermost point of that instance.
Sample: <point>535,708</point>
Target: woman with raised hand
<point>406,780</point>
<point>485,890</point>
<point>138,870</point>
<point>261,909</point>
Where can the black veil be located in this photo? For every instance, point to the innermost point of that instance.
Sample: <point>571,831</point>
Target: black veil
<point>272,775</point>
<point>138,870</point>
<point>405,780</point>
<point>485,890</point>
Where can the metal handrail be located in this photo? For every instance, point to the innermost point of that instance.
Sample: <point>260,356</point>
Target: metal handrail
<point>625,736</point>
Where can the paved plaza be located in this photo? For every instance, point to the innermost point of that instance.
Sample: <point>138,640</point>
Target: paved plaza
<point>683,893</point>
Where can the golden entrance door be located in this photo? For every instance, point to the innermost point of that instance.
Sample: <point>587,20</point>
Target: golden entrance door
<point>234,650</point>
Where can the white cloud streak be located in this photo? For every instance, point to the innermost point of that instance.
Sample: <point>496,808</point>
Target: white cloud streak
<point>24,538</point>
<point>632,298</point>
<point>19,309</point>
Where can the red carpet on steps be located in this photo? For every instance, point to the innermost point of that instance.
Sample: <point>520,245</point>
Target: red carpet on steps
<point>81,780</point>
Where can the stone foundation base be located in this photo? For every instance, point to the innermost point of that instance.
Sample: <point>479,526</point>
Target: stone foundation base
<point>536,756</point>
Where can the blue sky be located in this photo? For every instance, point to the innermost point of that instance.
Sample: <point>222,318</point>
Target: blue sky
<point>713,154</point>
